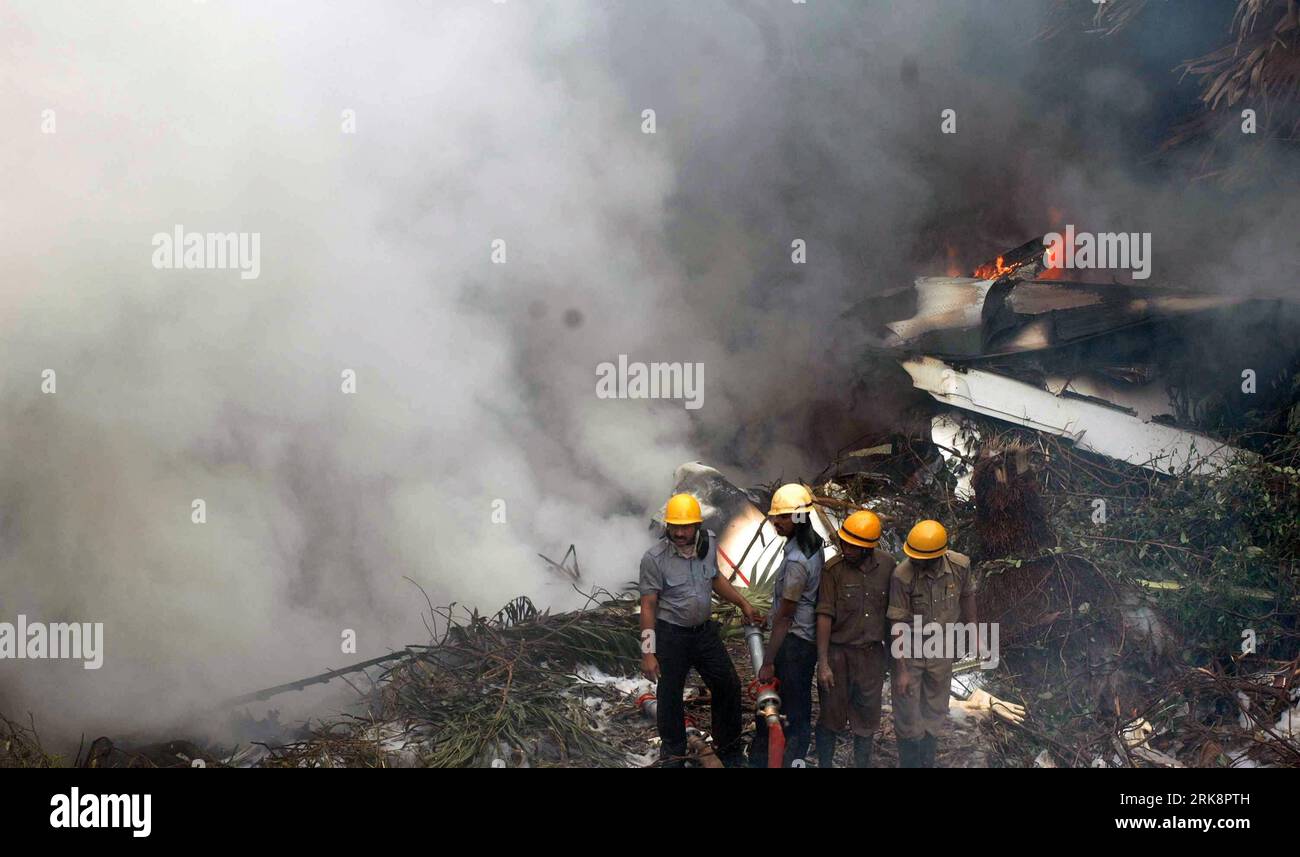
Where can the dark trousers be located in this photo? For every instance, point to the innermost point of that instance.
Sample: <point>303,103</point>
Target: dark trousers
<point>680,649</point>
<point>795,664</point>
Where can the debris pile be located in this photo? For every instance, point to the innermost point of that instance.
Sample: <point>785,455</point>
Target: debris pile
<point>1161,608</point>
<point>518,688</point>
<point>20,746</point>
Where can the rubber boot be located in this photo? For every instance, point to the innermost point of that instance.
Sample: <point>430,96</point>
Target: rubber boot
<point>909,753</point>
<point>825,748</point>
<point>862,751</point>
<point>928,745</point>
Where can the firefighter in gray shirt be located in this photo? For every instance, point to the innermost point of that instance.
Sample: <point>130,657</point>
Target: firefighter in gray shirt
<point>791,654</point>
<point>679,577</point>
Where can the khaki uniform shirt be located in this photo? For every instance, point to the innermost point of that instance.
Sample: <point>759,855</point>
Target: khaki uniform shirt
<point>856,598</point>
<point>936,595</point>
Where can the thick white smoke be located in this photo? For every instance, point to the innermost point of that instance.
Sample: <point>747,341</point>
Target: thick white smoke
<point>174,385</point>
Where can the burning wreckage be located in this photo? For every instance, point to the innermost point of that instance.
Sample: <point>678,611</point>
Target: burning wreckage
<point>1120,462</point>
<point>1135,373</point>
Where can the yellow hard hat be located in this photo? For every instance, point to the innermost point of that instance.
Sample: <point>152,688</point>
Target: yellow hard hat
<point>927,540</point>
<point>791,498</point>
<point>861,529</point>
<point>682,509</point>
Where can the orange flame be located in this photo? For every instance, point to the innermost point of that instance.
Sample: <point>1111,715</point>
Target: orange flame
<point>1055,258</point>
<point>993,271</point>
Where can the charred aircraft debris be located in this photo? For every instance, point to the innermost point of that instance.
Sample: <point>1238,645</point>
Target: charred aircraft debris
<point>1149,375</point>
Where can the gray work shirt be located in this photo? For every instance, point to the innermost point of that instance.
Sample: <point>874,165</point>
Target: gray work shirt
<point>684,586</point>
<point>800,575</point>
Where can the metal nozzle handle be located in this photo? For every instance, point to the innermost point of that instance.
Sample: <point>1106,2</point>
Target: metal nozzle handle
<point>754,639</point>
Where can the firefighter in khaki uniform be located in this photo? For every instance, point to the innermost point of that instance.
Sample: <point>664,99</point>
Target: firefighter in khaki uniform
<point>936,585</point>
<point>851,631</point>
